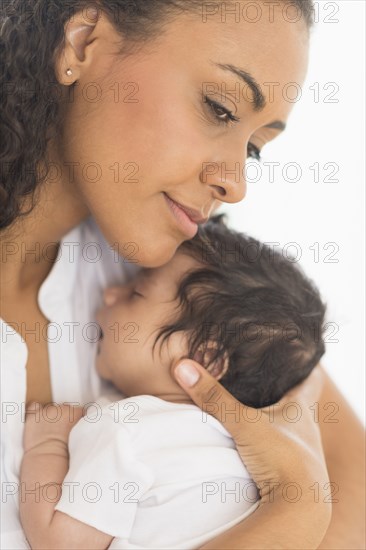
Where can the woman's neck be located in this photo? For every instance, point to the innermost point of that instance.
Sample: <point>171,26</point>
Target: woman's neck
<point>29,247</point>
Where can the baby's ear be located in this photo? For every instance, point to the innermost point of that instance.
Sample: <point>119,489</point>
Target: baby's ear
<point>205,356</point>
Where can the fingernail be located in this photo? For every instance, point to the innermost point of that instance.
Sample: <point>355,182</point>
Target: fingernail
<point>187,374</point>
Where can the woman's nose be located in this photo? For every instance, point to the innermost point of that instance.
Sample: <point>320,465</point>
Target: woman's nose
<point>111,295</point>
<point>226,176</point>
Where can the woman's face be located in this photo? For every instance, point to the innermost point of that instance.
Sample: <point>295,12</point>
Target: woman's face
<point>153,129</point>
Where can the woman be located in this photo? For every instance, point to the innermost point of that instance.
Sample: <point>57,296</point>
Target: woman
<point>136,113</point>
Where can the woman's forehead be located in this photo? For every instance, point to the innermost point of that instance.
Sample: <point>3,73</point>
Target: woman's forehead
<point>273,53</point>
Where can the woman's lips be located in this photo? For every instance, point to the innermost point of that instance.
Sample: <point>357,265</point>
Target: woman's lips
<point>187,219</point>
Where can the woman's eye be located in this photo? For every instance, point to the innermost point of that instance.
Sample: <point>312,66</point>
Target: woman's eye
<point>225,116</point>
<point>254,152</point>
<point>221,113</point>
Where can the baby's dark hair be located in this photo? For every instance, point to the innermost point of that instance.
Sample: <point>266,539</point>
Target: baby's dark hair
<point>258,307</point>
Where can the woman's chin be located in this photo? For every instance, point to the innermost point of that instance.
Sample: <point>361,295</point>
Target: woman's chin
<point>156,255</point>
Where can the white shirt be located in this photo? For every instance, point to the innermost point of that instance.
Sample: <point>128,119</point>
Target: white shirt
<point>69,298</point>
<point>155,474</point>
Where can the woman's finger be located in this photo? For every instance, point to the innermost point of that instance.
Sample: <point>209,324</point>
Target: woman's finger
<point>244,423</point>
<point>213,398</point>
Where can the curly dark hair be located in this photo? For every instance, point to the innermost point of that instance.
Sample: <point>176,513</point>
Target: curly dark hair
<point>31,31</point>
<point>264,316</point>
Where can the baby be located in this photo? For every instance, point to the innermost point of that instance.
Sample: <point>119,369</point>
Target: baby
<point>153,470</point>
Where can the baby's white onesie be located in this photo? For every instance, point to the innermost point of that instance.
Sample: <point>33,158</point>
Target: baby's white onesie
<point>155,474</point>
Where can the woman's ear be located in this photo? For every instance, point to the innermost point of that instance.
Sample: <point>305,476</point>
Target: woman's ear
<point>205,356</point>
<point>87,32</point>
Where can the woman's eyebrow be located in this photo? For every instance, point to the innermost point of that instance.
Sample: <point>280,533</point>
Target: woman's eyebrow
<point>259,101</point>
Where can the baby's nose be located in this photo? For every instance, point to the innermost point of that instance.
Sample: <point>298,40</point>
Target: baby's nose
<point>111,294</point>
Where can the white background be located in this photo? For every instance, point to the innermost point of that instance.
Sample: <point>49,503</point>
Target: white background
<point>308,212</point>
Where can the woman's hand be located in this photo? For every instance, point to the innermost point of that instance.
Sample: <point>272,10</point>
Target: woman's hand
<point>49,422</point>
<point>280,445</point>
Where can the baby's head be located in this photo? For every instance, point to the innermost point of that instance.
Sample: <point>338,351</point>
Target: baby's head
<point>244,311</point>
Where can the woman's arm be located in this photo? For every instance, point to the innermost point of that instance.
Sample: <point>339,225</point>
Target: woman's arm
<point>344,448</point>
<point>274,525</point>
<point>343,438</point>
<point>277,451</point>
